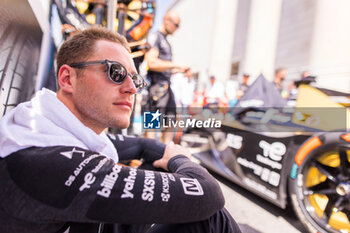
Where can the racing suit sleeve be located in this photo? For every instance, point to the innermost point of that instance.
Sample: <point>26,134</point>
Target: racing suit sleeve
<point>65,184</point>
<point>130,147</point>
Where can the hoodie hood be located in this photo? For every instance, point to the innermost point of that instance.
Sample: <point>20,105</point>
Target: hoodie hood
<point>45,121</point>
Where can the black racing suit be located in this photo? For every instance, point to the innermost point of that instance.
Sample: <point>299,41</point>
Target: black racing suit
<point>69,189</point>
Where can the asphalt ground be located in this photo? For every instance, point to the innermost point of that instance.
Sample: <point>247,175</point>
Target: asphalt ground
<point>256,215</point>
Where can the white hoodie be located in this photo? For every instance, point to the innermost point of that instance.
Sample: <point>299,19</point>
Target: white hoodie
<point>46,121</point>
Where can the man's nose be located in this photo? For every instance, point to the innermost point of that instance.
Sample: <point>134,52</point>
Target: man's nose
<point>128,86</point>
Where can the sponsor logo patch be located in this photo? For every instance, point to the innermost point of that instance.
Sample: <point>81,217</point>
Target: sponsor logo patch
<point>129,184</point>
<point>109,181</point>
<point>69,154</point>
<point>191,187</point>
<point>148,186</point>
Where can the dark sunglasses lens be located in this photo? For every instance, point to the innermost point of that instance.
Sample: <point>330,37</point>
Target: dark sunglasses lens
<point>138,81</point>
<point>117,73</point>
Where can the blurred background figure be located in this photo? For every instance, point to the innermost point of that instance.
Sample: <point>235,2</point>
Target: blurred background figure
<point>305,74</point>
<point>160,69</point>
<point>231,91</point>
<point>214,92</point>
<point>243,86</point>
<point>280,76</point>
<point>184,86</point>
<point>305,78</point>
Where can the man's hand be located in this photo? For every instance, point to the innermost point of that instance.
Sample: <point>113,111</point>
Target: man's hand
<point>171,150</point>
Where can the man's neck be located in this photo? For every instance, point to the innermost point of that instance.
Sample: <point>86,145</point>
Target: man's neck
<point>163,31</point>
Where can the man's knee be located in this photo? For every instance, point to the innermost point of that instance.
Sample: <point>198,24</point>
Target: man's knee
<point>220,222</point>
<point>224,222</point>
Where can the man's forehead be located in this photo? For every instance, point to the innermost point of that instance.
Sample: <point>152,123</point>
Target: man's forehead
<point>175,19</point>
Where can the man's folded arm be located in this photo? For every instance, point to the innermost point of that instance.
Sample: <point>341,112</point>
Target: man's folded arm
<point>72,184</point>
<point>130,147</point>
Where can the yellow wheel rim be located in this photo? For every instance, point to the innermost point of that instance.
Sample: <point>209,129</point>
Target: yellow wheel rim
<point>316,179</point>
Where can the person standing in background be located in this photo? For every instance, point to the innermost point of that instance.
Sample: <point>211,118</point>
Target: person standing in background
<point>184,87</point>
<point>243,86</point>
<point>160,69</point>
<point>280,75</point>
<point>214,92</point>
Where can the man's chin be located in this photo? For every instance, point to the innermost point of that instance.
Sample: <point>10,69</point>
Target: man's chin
<point>121,125</point>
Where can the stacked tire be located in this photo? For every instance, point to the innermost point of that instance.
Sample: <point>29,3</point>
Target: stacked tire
<point>19,57</point>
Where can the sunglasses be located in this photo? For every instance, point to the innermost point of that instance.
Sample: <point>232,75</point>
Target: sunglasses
<point>175,24</point>
<point>116,72</point>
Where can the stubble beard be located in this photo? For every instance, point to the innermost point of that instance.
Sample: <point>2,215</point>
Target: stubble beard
<point>99,115</point>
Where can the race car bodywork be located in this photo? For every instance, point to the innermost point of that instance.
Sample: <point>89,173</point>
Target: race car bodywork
<point>256,161</point>
<point>313,170</point>
<point>284,154</point>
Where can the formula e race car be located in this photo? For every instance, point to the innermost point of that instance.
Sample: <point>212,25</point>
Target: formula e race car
<point>299,154</point>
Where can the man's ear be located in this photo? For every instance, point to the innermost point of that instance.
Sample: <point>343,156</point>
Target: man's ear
<point>66,76</point>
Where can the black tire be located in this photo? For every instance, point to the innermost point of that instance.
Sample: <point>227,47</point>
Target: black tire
<point>320,192</point>
<point>19,58</point>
